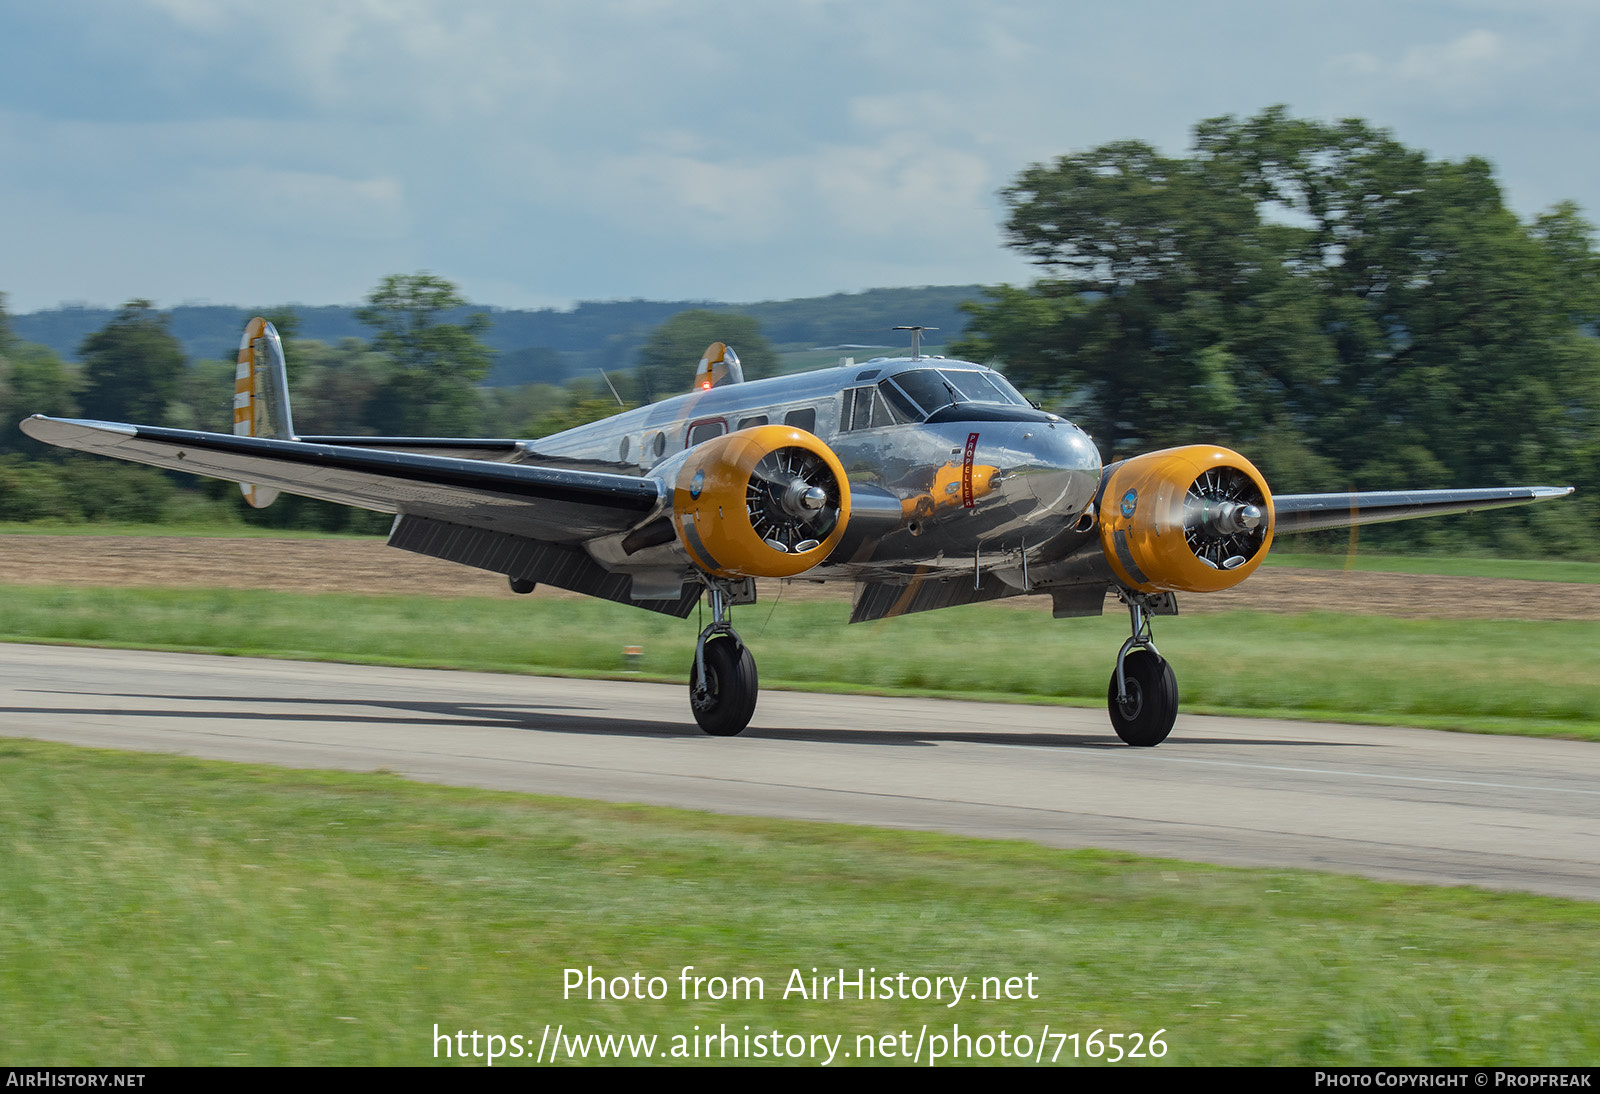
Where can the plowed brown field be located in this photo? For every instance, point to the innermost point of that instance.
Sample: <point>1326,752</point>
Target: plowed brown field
<point>368,566</point>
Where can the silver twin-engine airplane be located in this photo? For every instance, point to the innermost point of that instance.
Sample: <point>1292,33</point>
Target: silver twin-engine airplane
<point>925,481</point>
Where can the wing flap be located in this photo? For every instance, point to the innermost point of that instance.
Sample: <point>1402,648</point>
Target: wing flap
<point>1315,512</point>
<point>551,504</point>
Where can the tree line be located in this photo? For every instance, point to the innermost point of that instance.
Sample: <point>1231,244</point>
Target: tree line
<point>420,373</point>
<point>550,345</point>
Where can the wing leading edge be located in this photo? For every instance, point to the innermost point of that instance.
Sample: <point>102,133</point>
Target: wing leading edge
<point>1315,512</point>
<point>549,504</point>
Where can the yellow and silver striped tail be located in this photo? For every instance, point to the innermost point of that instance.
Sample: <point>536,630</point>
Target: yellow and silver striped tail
<point>261,396</point>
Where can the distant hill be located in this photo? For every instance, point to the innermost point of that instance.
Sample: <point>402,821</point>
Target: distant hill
<point>550,344</point>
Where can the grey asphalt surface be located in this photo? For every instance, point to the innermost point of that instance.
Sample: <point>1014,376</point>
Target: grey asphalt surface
<point>1398,804</point>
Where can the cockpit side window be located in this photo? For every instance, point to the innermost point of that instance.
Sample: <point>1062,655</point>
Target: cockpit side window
<point>1011,393</point>
<point>871,408</point>
<point>855,409</point>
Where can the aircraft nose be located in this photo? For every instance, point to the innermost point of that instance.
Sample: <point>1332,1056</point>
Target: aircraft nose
<point>1065,467</point>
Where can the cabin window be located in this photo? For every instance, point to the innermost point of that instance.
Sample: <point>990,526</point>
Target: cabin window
<point>751,423</point>
<point>703,431</point>
<point>660,445</point>
<point>622,450</point>
<point>805,419</point>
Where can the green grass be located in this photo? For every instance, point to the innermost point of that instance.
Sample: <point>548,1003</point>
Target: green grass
<point>1542,569</point>
<point>160,910</point>
<point>1495,676</point>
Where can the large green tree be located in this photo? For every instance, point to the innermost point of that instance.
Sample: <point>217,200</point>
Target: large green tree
<point>668,358</point>
<point>133,367</point>
<point>33,380</point>
<point>436,364</point>
<point>1344,308</point>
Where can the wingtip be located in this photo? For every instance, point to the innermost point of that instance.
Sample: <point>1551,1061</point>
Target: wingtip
<point>42,427</point>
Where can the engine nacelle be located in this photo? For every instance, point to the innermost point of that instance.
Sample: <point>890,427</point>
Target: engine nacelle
<point>770,501</point>
<point>1197,519</point>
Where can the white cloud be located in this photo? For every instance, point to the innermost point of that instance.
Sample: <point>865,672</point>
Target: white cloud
<point>693,148</point>
<point>1476,66</point>
<point>1458,63</point>
<point>302,202</point>
<point>1360,64</point>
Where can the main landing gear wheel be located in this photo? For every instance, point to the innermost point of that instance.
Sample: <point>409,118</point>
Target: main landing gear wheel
<point>724,706</point>
<point>722,679</point>
<point>1144,715</point>
<point>1143,697</point>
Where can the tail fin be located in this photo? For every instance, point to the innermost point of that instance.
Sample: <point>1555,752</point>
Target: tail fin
<point>718,365</point>
<point>261,396</point>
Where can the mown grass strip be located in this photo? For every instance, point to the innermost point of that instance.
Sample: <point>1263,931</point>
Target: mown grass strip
<point>1538,569</point>
<point>163,910</point>
<point>1498,676</point>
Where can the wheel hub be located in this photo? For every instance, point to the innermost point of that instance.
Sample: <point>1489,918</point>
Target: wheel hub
<point>1132,699</point>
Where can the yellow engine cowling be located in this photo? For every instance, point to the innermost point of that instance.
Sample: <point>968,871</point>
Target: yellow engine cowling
<point>770,501</point>
<point>1177,520</point>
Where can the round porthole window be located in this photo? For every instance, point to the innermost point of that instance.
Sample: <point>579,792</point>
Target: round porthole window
<point>622,450</point>
<point>661,445</point>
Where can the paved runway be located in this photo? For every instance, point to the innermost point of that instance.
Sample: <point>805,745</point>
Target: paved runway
<point>1409,804</point>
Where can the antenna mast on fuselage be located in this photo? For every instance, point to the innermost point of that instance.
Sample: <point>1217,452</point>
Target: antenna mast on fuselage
<point>916,340</point>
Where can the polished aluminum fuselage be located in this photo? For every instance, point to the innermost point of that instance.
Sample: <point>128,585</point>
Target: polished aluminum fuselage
<point>974,486</point>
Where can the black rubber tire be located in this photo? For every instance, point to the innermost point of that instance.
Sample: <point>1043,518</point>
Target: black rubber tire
<point>1152,707</point>
<point>730,699</point>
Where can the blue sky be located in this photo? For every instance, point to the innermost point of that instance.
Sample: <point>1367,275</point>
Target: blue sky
<point>251,153</point>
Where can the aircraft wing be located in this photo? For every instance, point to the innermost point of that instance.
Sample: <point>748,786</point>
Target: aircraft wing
<point>465,448</point>
<point>1315,512</point>
<point>549,504</point>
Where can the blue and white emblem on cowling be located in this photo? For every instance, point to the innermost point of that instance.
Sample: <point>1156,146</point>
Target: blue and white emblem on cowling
<point>697,484</point>
<point>1129,501</point>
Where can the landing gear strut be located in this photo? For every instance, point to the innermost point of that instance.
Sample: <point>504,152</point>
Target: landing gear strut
<point>1143,697</point>
<point>722,680</point>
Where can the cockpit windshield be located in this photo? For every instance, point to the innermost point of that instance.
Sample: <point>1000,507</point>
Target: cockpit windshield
<point>932,388</point>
